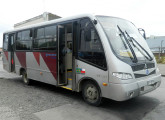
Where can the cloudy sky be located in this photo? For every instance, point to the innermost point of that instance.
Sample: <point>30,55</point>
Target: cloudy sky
<point>147,14</point>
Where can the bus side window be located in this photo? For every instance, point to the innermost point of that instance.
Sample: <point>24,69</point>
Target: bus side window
<point>39,39</point>
<point>45,38</point>
<point>50,37</point>
<point>5,42</point>
<point>24,40</point>
<point>90,47</point>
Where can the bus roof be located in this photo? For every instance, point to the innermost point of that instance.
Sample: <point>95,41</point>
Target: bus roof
<point>51,22</point>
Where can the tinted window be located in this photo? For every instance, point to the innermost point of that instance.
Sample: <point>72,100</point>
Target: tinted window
<point>45,38</point>
<point>19,35</point>
<point>5,42</point>
<point>11,41</point>
<point>50,31</point>
<point>90,47</point>
<point>26,35</point>
<point>23,45</point>
<point>40,33</point>
<point>24,40</point>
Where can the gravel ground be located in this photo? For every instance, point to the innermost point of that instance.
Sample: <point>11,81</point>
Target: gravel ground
<point>18,101</point>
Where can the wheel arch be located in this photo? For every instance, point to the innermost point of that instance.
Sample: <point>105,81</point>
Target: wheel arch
<point>21,71</point>
<point>83,80</point>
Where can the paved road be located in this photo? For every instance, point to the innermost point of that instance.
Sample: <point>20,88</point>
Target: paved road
<point>46,102</point>
<point>162,69</point>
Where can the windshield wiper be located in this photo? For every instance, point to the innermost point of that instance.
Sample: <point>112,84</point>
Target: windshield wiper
<point>134,59</point>
<point>132,39</point>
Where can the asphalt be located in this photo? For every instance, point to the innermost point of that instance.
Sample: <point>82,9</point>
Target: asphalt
<point>162,69</point>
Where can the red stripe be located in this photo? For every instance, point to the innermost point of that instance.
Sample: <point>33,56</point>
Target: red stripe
<point>22,58</point>
<point>37,57</point>
<point>50,60</point>
<point>12,61</point>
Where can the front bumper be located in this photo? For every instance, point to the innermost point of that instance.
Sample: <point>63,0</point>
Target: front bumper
<point>122,92</point>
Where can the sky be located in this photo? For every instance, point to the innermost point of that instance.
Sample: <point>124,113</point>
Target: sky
<point>146,14</point>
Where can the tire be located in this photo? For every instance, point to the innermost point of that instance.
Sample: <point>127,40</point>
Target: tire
<point>25,78</point>
<point>91,93</point>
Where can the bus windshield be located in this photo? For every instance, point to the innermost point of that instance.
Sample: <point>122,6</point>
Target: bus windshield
<point>125,39</point>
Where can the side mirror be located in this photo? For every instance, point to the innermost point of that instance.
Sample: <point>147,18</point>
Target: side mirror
<point>142,32</point>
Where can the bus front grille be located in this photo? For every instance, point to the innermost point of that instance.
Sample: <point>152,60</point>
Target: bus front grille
<point>144,75</point>
<point>143,66</point>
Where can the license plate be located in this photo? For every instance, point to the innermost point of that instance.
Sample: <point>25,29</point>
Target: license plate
<point>148,87</point>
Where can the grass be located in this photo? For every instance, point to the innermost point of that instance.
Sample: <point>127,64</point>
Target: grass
<point>161,60</point>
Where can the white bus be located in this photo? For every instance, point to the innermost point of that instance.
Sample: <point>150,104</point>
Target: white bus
<point>100,56</point>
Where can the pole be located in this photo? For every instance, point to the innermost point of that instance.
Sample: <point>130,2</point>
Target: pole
<point>161,46</point>
<point>159,54</point>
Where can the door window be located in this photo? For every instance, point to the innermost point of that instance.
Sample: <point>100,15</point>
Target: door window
<point>90,47</point>
<point>5,42</point>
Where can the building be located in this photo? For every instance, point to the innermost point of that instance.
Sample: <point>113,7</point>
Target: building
<point>46,16</point>
<point>156,44</point>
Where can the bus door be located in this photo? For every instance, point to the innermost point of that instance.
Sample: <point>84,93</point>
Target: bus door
<point>11,52</point>
<point>65,54</point>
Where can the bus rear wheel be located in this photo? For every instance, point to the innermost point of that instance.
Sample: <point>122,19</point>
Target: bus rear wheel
<point>25,78</point>
<point>91,93</point>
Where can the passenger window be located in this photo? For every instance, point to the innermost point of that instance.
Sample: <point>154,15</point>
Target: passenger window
<point>40,33</point>
<point>19,35</point>
<point>90,47</point>
<point>24,40</point>
<point>26,35</point>
<point>45,38</point>
<point>50,32</point>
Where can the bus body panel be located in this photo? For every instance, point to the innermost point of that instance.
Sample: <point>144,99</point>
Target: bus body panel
<point>48,67</point>
<point>127,91</point>
<point>17,64</point>
<point>100,76</point>
<point>33,65</point>
<point>6,60</point>
<point>37,67</point>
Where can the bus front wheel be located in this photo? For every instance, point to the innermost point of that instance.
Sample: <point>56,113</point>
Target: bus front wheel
<point>25,78</point>
<point>91,93</point>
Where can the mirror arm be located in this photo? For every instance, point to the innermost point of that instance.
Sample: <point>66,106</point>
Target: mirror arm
<point>144,33</point>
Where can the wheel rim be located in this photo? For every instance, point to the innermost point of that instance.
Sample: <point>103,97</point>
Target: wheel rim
<point>91,93</point>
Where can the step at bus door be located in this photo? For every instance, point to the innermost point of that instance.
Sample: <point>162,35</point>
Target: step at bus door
<point>11,52</point>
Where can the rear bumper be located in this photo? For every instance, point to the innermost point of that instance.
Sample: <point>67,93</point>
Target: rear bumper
<point>122,92</point>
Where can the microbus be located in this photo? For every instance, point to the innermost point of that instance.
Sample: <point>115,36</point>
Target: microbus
<point>100,56</point>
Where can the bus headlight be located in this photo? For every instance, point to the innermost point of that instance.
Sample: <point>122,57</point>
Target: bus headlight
<point>123,76</point>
